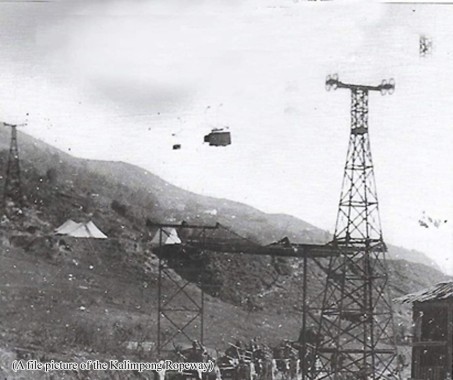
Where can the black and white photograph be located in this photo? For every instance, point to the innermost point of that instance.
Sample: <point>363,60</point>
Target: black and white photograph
<point>226,189</point>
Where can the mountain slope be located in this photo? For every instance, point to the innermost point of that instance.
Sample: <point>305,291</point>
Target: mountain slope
<point>145,195</point>
<point>83,297</point>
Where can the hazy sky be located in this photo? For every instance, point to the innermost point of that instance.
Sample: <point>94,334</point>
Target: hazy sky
<point>116,79</point>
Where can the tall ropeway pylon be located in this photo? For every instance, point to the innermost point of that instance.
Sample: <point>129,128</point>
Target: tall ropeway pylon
<point>355,325</point>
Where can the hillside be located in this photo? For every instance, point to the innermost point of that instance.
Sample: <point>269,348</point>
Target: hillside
<point>145,195</point>
<point>66,298</point>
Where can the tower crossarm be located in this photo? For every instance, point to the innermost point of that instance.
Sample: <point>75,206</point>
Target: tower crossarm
<point>13,125</point>
<point>332,82</point>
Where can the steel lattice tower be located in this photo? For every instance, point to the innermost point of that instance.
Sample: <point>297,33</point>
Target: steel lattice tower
<point>356,321</point>
<point>13,187</point>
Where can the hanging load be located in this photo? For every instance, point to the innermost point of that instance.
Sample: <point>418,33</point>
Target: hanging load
<point>218,137</point>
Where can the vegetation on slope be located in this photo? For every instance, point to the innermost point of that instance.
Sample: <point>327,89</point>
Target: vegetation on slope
<point>66,296</point>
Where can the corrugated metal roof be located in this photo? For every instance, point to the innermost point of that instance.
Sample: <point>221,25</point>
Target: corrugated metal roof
<point>440,291</point>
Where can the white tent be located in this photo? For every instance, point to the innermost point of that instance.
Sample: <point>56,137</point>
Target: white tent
<point>169,236</point>
<point>67,227</point>
<point>80,230</point>
<point>88,230</point>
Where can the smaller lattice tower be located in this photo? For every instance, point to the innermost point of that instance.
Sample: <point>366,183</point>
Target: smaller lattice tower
<point>12,193</point>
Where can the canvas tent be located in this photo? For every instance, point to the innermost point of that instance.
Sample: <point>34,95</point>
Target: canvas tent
<point>67,227</point>
<point>80,230</point>
<point>169,236</point>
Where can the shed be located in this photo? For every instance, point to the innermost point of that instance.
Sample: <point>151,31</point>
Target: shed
<point>432,347</point>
